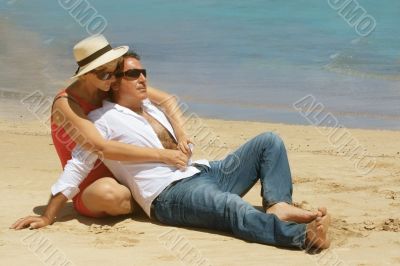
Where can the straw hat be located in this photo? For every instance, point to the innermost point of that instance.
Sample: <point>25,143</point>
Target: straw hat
<point>93,52</point>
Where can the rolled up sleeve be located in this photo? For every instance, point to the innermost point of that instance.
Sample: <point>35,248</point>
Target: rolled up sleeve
<point>75,171</point>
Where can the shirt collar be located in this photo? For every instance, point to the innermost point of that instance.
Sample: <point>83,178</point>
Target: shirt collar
<point>111,105</point>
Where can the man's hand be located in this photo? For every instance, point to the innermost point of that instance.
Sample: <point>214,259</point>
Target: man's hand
<point>33,222</point>
<point>175,158</point>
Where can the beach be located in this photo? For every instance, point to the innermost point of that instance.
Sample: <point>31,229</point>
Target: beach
<point>364,206</point>
<point>238,69</point>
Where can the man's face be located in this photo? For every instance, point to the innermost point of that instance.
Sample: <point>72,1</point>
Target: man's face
<point>131,88</point>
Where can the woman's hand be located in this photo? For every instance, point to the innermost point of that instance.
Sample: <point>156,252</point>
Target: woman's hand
<point>54,206</point>
<point>33,222</point>
<point>183,145</point>
<point>175,158</point>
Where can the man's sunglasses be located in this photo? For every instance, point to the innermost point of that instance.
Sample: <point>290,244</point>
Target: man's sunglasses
<point>103,75</point>
<point>131,73</point>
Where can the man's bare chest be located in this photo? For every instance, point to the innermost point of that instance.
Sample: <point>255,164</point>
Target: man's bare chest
<point>166,139</point>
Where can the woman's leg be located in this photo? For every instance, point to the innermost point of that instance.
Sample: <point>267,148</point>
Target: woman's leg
<point>107,196</point>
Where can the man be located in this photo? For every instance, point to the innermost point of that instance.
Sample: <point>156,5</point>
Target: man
<point>204,194</point>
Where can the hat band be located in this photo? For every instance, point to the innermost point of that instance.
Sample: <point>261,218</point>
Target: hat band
<point>94,56</point>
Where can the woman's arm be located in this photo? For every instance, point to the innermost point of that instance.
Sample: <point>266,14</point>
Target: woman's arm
<point>66,187</point>
<point>170,106</point>
<point>70,116</point>
<point>56,203</point>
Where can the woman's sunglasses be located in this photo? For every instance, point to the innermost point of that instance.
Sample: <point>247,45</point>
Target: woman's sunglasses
<point>131,74</point>
<point>103,75</point>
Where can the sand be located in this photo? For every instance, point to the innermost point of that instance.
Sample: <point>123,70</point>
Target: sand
<point>364,206</point>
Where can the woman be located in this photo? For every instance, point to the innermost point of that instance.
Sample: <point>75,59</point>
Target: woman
<point>99,194</point>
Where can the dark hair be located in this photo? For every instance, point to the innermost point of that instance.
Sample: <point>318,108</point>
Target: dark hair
<point>129,54</point>
<point>120,66</point>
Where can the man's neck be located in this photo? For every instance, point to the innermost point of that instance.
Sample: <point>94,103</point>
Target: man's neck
<point>137,109</point>
<point>134,106</point>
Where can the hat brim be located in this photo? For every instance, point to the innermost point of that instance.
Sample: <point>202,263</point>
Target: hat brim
<point>103,59</point>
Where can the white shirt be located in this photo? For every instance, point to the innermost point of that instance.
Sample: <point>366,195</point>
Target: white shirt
<point>145,180</point>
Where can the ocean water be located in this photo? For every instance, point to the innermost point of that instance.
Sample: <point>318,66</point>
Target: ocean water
<point>241,60</point>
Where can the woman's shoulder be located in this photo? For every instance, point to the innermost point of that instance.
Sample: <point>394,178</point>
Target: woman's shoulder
<point>61,92</point>
<point>66,94</point>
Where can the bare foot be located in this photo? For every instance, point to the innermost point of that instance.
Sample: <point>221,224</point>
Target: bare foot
<point>317,231</point>
<point>322,211</point>
<point>290,213</point>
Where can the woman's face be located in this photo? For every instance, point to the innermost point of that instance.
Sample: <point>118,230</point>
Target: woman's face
<point>103,76</point>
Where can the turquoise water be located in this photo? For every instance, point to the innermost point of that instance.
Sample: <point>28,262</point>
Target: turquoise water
<point>225,59</point>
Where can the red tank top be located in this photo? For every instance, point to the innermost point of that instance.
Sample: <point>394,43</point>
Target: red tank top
<point>64,144</point>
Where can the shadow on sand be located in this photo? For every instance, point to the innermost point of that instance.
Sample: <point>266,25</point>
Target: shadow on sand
<point>68,213</point>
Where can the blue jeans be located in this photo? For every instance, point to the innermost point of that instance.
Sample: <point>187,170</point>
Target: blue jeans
<point>212,198</point>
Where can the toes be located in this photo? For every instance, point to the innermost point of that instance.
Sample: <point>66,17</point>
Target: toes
<point>324,220</point>
<point>323,210</point>
<point>327,243</point>
<point>320,228</point>
<point>324,227</point>
<point>327,219</point>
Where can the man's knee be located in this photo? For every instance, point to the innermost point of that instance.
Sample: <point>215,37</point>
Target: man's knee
<point>271,139</point>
